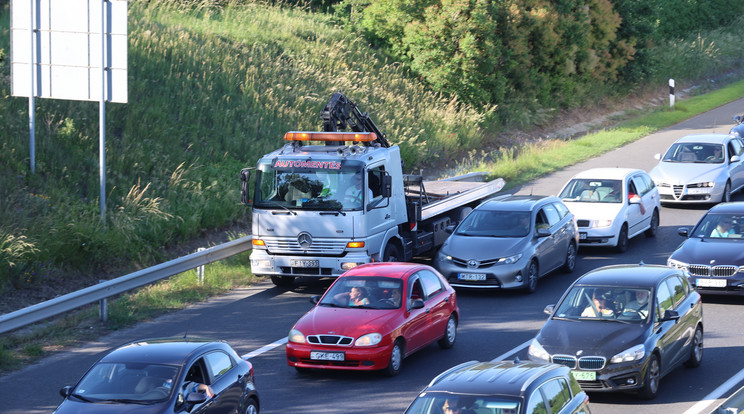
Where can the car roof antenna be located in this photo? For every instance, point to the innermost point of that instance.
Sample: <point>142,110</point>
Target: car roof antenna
<point>516,360</point>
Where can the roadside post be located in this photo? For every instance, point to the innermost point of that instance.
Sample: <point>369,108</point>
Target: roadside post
<point>671,93</point>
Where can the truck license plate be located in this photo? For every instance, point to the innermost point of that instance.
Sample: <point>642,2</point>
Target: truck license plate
<point>471,276</point>
<point>303,263</point>
<point>584,375</point>
<point>327,356</point>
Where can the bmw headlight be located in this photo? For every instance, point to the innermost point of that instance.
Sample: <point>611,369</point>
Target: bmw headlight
<point>510,259</point>
<point>368,340</point>
<point>677,264</point>
<point>631,354</point>
<point>296,337</point>
<point>536,351</point>
<point>601,223</point>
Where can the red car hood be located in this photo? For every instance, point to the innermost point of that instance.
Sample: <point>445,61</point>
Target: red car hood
<point>353,322</point>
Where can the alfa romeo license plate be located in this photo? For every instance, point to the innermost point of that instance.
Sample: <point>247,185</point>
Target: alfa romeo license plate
<point>303,263</point>
<point>327,356</point>
<point>584,375</point>
<point>471,276</point>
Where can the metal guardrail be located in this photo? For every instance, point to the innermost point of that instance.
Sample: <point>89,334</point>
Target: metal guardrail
<point>92,294</point>
<point>733,404</point>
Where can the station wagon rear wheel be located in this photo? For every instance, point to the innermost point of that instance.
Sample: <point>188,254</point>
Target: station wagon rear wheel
<point>654,227</point>
<point>622,239</point>
<point>251,407</point>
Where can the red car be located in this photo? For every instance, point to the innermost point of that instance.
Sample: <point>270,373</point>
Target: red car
<point>373,316</point>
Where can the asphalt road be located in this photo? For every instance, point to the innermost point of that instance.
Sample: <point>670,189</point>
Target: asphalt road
<point>493,325</point>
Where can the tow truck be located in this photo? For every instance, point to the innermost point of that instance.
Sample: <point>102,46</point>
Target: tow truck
<point>331,200</point>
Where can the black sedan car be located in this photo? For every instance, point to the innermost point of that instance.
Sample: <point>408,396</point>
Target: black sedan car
<point>500,387</point>
<point>713,253</point>
<point>623,327</point>
<point>165,376</point>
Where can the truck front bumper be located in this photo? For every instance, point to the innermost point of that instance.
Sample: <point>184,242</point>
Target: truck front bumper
<point>264,264</point>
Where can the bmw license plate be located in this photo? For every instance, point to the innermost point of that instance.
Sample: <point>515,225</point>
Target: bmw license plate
<point>584,375</point>
<point>471,276</point>
<point>327,356</point>
<point>303,263</point>
<point>719,283</point>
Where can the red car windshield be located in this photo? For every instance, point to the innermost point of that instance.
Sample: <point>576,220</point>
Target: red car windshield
<point>364,292</point>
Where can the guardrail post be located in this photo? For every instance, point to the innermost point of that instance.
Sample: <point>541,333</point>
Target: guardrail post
<point>200,270</point>
<point>103,307</point>
<point>671,93</point>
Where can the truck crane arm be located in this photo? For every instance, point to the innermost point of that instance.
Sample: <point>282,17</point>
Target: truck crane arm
<point>341,113</point>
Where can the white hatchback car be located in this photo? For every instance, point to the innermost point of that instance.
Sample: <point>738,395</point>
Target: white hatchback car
<point>612,205</point>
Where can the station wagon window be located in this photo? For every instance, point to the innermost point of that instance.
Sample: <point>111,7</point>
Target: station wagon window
<point>677,288</point>
<point>218,363</point>
<point>551,214</point>
<point>562,210</point>
<point>632,188</point>
<point>643,183</point>
<point>432,284</point>
<point>664,299</point>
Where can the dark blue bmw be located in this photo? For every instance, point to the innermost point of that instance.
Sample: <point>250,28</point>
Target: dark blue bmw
<point>165,376</point>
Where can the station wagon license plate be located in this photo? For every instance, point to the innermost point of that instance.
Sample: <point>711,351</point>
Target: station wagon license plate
<point>303,263</point>
<point>584,375</point>
<point>471,276</point>
<point>719,283</point>
<point>327,356</point>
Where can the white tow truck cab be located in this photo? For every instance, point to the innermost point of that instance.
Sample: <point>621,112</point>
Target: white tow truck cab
<point>319,210</point>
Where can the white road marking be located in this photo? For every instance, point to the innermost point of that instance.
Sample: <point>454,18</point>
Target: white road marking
<point>715,394</point>
<point>266,348</point>
<point>512,351</point>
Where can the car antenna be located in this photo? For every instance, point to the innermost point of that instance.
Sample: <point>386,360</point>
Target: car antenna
<point>641,263</point>
<point>516,360</point>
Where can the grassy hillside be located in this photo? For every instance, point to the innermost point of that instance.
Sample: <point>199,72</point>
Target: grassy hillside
<point>210,90</point>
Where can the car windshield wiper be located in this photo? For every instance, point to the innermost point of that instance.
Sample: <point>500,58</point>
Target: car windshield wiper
<point>592,318</point>
<point>125,401</point>
<point>281,206</point>
<point>80,397</point>
<point>331,304</point>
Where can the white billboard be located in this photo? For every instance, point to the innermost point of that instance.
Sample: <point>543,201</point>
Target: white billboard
<point>65,49</point>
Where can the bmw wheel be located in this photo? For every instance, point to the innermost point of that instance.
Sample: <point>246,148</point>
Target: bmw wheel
<point>251,407</point>
<point>696,351</point>
<point>653,375</point>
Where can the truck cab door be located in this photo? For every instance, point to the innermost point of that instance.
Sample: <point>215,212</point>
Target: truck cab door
<point>377,210</point>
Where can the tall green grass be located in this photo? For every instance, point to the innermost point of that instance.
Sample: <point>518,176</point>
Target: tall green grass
<point>212,87</point>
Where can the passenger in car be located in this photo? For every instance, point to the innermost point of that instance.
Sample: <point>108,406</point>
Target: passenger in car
<point>724,228</point>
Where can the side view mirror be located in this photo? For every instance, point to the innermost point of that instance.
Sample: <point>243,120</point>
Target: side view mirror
<point>549,309</point>
<point>65,391</point>
<point>634,199</point>
<point>315,299</point>
<point>735,158</point>
<point>245,186</point>
<point>657,156</point>
<point>387,185</point>
<point>737,119</point>
<point>543,232</point>
<point>417,304</point>
<point>683,231</point>
<point>670,315</point>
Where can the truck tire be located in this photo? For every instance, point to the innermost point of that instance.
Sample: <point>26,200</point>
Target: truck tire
<point>392,253</point>
<point>283,281</point>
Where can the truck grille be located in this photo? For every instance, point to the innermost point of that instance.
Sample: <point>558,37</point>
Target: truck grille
<point>320,247</point>
<point>333,340</point>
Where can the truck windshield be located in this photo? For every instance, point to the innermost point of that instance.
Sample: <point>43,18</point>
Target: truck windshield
<point>311,185</point>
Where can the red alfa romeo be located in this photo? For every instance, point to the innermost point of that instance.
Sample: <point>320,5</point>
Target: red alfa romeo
<point>373,316</point>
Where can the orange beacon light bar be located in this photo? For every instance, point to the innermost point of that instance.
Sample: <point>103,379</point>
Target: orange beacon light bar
<point>330,136</point>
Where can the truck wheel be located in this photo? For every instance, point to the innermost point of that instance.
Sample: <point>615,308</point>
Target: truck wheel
<point>283,281</point>
<point>392,253</point>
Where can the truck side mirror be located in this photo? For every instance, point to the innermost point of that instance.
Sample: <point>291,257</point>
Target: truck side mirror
<point>387,185</point>
<point>245,189</point>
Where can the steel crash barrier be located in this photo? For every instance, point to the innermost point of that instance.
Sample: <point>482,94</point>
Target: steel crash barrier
<point>733,405</point>
<point>107,289</point>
